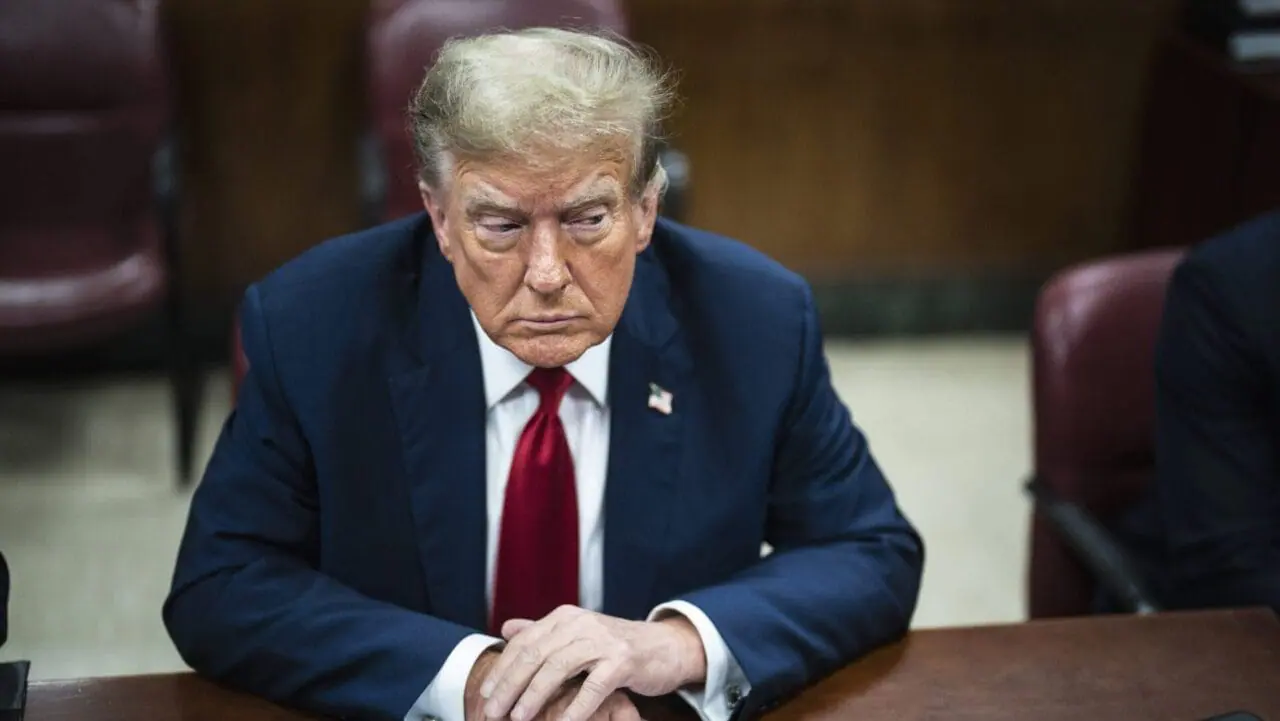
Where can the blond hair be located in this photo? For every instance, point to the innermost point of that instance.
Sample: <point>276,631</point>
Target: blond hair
<point>530,92</point>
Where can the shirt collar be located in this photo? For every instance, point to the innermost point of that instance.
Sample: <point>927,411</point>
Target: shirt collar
<point>503,372</point>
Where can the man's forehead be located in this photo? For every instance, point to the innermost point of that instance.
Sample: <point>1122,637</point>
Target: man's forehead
<point>524,189</point>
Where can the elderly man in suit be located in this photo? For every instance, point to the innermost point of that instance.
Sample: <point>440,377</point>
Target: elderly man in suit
<point>516,457</point>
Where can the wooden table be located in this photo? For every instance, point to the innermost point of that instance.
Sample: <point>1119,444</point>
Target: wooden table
<point>1172,667</point>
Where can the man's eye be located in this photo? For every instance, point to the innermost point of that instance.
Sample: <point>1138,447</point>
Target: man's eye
<point>590,221</point>
<point>500,227</point>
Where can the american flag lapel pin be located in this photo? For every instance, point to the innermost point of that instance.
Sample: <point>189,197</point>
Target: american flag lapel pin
<point>659,399</point>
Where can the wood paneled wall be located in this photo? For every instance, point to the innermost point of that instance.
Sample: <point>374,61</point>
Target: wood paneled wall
<point>909,136</point>
<point>841,136</point>
<point>270,105</point>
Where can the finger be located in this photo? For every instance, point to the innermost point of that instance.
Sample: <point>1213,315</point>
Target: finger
<point>514,626</point>
<point>602,681</point>
<point>527,654</point>
<point>559,667</point>
<point>513,653</point>
<point>534,631</point>
<point>622,709</point>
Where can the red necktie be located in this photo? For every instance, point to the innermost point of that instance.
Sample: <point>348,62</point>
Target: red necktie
<point>537,566</point>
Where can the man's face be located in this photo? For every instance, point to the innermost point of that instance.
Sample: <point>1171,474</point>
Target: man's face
<point>544,254</point>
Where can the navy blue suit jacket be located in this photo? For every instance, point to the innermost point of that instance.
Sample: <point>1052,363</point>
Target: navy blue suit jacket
<point>335,551</point>
<point>1209,529</point>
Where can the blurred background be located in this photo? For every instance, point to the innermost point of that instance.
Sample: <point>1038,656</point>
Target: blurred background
<point>927,164</point>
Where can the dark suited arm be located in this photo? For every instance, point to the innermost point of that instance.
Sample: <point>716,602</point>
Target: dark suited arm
<point>1217,435</point>
<point>845,572</point>
<point>248,606</point>
<point>4,600</point>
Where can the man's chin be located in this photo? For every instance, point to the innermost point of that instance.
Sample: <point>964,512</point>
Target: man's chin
<point>549,351</point>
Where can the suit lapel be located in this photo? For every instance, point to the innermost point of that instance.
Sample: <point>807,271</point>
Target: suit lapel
<point>439,406</point>
<point>644,446</point>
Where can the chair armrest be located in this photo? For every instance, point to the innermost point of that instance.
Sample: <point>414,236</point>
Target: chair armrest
<point>1105,559</point>
<point>373,180</point>
<point>675,203</point>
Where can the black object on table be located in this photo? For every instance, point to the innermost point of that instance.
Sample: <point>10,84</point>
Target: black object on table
<point>13,690</point>
<point>13,676</point>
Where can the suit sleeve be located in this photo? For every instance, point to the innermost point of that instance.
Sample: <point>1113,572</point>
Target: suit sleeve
<point>248,606</point>
<point>4,600</point>
<point>845,572</point>
<point>1216,445</point>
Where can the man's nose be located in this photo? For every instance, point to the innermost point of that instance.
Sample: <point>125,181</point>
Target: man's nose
<point>547,271</point>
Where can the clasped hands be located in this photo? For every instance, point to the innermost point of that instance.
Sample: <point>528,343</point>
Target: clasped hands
<point>574,665</point>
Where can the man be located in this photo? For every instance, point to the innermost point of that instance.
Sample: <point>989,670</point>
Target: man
<point>1214,533</point>
<point>516,457</point>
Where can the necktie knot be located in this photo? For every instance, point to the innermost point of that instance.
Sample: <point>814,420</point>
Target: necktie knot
<point>551,384</point>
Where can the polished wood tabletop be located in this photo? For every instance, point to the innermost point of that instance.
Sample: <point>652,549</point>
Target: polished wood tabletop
<point>1170,667</point>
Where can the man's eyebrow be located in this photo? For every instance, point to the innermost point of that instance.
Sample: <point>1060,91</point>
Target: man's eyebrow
<point>484,202</point>
<point>603,196</point>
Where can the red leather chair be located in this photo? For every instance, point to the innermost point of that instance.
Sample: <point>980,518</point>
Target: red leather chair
<point>403,39</point>
<point>88,193</point>
<point>1093,345</point>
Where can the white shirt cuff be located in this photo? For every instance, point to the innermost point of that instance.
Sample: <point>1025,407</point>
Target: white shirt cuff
<point>726,684</point>
<point>445,697</point>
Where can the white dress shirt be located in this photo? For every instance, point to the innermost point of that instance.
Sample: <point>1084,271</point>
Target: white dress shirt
<point>585,414</point>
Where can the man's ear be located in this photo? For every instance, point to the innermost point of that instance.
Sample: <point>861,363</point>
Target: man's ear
<point>646,216</point>
<point>434,203</point>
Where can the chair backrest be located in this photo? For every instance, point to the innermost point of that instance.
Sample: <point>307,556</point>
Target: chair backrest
<point>1093,347</point>
<point>403,39</point>
<point>83,108</point>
